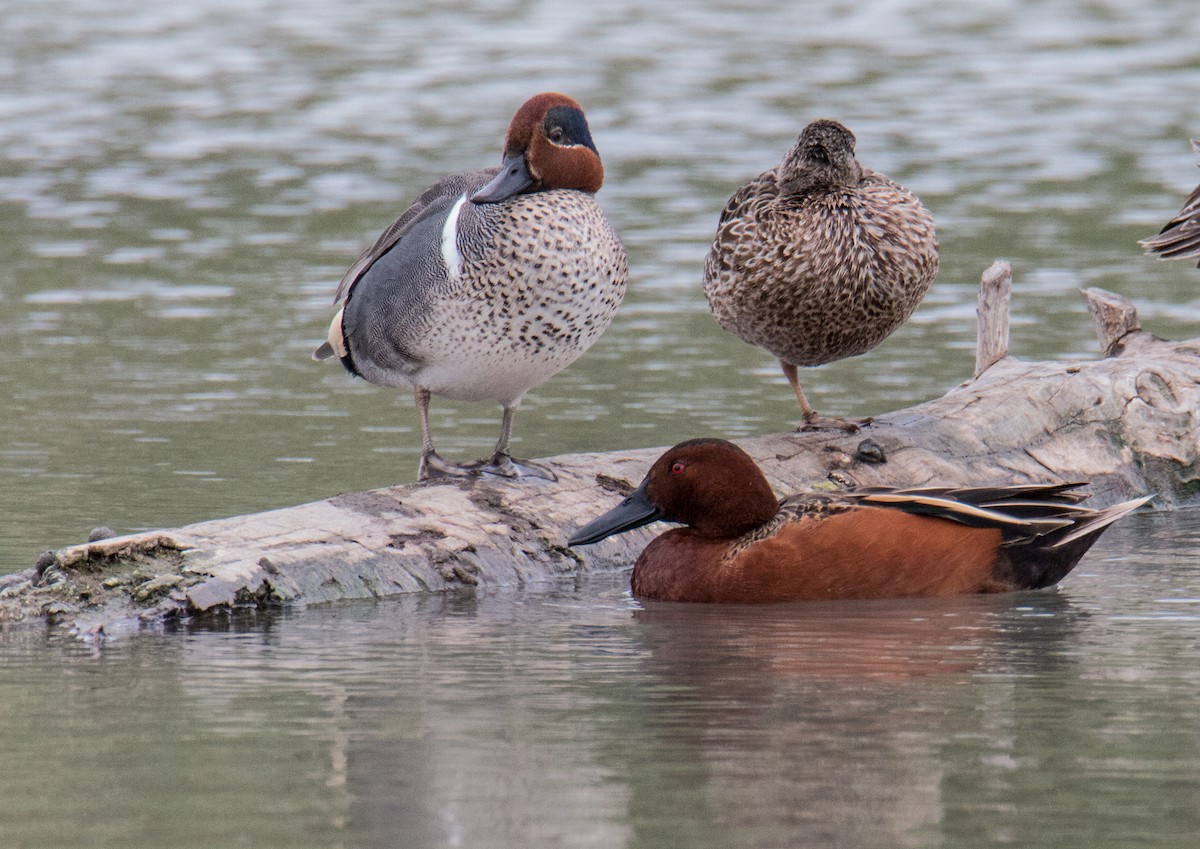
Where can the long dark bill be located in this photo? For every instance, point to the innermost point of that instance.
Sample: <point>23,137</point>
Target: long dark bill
<point>634,512</point>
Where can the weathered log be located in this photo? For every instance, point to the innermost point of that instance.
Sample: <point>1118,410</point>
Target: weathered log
<point>1128,423</point>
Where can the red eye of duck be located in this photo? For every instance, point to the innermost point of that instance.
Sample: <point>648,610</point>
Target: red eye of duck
<point>677,467</point>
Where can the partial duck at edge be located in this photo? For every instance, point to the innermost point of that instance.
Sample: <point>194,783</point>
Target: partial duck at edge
<point>1180,237</point>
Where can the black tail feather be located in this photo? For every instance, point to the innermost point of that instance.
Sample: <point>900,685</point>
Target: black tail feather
<point>1046,560</point>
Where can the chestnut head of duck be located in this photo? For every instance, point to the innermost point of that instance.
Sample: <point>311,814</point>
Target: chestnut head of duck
<point>548,146</point>
<point>822,161</point>
<point>710,485</point>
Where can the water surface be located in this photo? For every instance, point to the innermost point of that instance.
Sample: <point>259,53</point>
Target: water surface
<point>181,186</point>
<point>577,717</point>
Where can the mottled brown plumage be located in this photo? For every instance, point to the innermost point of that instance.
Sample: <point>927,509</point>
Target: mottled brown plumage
<point>819,258</point>
<point>1180,237</point>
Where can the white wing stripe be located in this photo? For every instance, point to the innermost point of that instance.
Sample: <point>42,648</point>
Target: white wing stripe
<point>450,254</point>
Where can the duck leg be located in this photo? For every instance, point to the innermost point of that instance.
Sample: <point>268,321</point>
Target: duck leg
<point>811,420</point>
<point>503,463</point>
<point>432,467</point>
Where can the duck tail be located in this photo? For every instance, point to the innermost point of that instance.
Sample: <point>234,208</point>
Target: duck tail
<point>1044,560</point>
<point>335,344</point>
<point>324,351</point>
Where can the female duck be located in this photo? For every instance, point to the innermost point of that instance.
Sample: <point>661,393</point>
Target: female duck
<point>1180,238</point>
<point>742,545</point>
<point>819,258</point>
<point>490,283</point>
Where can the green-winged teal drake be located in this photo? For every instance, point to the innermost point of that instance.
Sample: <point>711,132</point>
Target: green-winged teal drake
<point>490,283</point>
<point>1180,238</point>
<point>819,258</point>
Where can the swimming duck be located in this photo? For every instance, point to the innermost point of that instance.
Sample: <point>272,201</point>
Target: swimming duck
<point>490,283</point>
<point>743,545</point>
<point>1180,238</point>
<point>819,258</point>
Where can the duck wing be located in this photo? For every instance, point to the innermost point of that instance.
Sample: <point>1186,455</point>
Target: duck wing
<point>1023,512</point>
<point>432,202</point>
<point>1044,530</point>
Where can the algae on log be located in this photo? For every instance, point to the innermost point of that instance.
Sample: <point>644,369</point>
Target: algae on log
<point>1128,423</point>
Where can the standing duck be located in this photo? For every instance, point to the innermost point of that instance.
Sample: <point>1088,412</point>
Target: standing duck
<point>490,283</point>
<point>819,258</point>
<point>1180,238</point>
<point>742,545</point>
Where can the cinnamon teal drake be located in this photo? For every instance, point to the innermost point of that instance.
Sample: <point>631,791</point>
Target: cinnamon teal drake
<point>1180,238</point>
<point>743,545</point>
<point>490,283</point>
<point>819,258</point>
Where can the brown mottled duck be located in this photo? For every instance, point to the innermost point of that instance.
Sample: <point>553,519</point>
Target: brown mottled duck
<point>819,258</point>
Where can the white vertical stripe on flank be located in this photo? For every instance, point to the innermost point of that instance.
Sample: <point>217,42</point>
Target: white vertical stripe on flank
<point>450,254</point>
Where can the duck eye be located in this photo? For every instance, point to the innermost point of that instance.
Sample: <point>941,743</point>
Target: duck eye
<point>556,135</point>
<point>677,467</point>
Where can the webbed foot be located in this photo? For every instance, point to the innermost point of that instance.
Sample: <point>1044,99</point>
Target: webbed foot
<point>505,466</point>
<point>434,468</point>
<point>824,423</point>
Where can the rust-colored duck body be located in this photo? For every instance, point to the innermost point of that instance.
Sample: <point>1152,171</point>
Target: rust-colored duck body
<point>1180,237</point>
<point>742,545</point>
<point>819,258</point>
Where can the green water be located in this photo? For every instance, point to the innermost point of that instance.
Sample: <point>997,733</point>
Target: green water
<point>181,186</point>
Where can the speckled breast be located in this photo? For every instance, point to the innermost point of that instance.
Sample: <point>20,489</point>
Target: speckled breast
<point>827,280</point>
<point>539,279</point>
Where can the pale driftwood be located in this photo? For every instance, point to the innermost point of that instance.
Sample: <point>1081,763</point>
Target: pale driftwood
<point>991,313</point>
<point>1128,423</point>
<point>1114,317</point>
